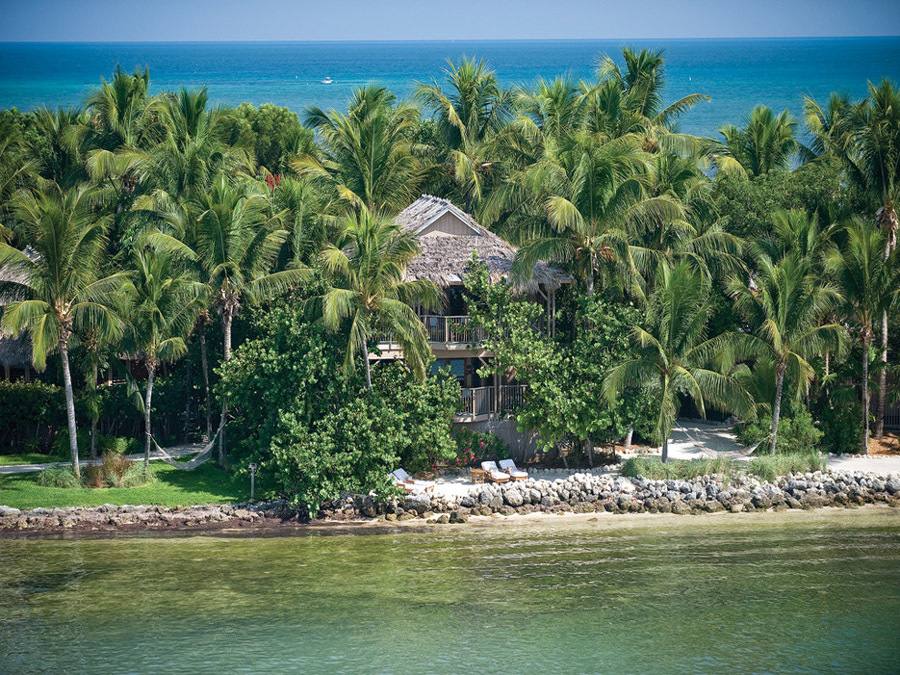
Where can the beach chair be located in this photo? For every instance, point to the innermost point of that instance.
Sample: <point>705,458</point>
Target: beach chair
<point>509,466</point>
<point>416,485</point>
<point>493,474</point>
<point>406,487</point>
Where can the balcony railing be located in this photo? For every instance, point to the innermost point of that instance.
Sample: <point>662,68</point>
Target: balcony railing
<point>481,401</point>
<point>452,329</point>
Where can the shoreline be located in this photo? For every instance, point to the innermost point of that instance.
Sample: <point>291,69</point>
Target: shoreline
<point>580,494</point>
<point>379,526</point>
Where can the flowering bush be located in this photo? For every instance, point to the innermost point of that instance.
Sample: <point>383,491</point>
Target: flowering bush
<point>473,447</point>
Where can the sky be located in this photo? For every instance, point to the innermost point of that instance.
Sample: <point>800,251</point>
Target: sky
<point>287,20</point>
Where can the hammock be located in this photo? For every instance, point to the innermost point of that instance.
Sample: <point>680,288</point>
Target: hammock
<point>198,459</point>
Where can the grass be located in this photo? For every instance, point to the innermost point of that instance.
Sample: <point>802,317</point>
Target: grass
<point>207,484</point>
<point>765,467</point>
<point>29,458</point>
<point>678,469</point>
<point>769,467</point>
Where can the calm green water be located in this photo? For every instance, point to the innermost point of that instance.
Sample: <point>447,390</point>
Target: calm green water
<point>761,593</point>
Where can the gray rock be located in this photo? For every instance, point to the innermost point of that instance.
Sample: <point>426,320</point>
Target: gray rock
<point>418,502</point>
<point>513,497</point>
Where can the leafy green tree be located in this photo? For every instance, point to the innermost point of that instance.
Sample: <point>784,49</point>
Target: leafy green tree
<point>674,356</point>
<point>163,303</point>
<point>124,115</point>
<point>368,153</point>
<point>277,135</point>
<point>365,267</point>
<point>870,284</point>
<point>62,289</point>
<point>785,306</point>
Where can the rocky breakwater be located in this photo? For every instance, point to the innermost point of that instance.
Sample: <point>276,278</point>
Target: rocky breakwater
<point>125,518</point>
<point>586,493</point>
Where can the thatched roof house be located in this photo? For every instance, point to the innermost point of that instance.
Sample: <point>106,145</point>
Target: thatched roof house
<point>447,238</point>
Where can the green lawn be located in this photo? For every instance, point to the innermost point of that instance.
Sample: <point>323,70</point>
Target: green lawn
<point>205,485</point>
<point>29,458</point>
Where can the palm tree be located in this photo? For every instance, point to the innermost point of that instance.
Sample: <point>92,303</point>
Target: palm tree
<point>365,266</point>
<point>59,279</point>
<point>587,194</point>
<point>871,286</point>
<point>123,112</point>
<point>163,303</point>
<point>232,246</point>
<point>54,147</point>
<point>765,143</point>
<point>866,138</point>
<point>369,152</point>
<point>674,353</point>
<point>786,303</point>
<point>473,108</point>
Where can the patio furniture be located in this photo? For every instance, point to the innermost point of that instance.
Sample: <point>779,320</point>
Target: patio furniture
<point>477,475</point>
<point>416,485</point>
<point>493,474</point>
<point>509,466</point>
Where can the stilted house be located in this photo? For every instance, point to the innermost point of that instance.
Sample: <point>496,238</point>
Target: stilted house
<point>447,239</point>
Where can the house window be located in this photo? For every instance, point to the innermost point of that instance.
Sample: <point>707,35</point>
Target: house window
<point>457,368</point>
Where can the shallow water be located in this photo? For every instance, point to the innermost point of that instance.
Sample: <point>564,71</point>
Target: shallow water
<point>754,593</point>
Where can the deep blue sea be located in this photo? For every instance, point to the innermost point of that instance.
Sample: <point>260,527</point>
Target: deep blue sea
<point>736,74</point>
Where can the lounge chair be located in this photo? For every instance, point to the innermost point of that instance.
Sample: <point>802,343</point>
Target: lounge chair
<point>509,466</point>
<point>493,474</point>
<point>416,485</point>
<point>406,487</point>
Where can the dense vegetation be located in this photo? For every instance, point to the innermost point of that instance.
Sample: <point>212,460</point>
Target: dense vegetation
<point>244,260</point>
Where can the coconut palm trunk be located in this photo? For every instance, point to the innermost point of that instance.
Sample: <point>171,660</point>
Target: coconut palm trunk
<point>665,448</point>
<point>227,319</point>
<point>70,405</point>
<point>148,399</point>
<point>865,394</point>
<point>589,451</point>
<point>776,408</point>
<point>889,222</point>
<point>93,385</point>
<point>365,351</point>
<point>204,365</point>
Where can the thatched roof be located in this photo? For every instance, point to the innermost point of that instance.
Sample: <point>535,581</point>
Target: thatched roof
<point>445,256</point>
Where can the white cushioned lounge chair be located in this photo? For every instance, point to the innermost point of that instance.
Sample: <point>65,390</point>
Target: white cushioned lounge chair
<point>509,466</point>
<point>493,474</point>
<point>415,485</point>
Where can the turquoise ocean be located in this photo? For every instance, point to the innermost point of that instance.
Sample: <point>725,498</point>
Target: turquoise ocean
<point>736,74</point>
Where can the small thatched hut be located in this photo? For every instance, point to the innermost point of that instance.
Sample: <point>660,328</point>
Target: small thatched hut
<point>447,238</point>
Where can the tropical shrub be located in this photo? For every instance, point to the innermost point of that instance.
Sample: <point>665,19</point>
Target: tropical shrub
<point>797,434</point>
<point>842,427</point>
<point>770,467</point>
<point>31,410</point>
<point>58,477</point>
<point>474,447</point>
<point>680,469</point>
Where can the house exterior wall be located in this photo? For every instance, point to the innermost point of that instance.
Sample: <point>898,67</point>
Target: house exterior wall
<point>449,224</point>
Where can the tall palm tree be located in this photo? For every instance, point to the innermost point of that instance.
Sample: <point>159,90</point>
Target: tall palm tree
<point>674,354</point>
<point>55,146</point>
<point>765,143</point>
<point>866,137</point>
<point>232,246</point>
<point>369,154</point>
<point>786,304</point>
<point>60,281</point>
<point>365,266</point>
<point>468,113</point>
<point>123,113</point>
<point>870,284</point>
<point>163,303</point>
<point>587,194</point>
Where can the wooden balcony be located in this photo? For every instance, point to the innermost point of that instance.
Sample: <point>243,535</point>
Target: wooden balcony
<point>449,333</point>
<point>481,403</point>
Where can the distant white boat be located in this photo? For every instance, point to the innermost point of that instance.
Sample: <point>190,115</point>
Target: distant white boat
<point>327,80</point>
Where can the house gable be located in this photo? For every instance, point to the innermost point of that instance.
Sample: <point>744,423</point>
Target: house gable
<point>448,223</point>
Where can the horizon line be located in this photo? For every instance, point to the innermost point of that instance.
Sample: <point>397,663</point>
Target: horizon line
<point>412,41</point>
